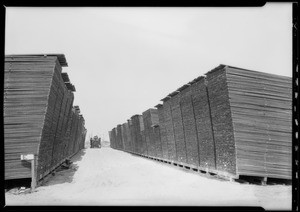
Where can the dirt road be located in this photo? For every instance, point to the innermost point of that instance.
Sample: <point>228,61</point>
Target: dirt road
<point>109,177</point>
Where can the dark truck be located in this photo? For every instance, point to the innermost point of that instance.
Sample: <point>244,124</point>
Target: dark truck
<point>95,142</point>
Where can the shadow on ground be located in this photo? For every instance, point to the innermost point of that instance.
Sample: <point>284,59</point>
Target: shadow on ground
<point>65,175</point>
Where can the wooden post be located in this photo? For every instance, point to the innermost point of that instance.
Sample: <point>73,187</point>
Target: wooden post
<point>264,181</point>
<point>33,177</point>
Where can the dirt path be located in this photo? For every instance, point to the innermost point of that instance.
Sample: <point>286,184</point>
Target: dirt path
<point>110,177</point>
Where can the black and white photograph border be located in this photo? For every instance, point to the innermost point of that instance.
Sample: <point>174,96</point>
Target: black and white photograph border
<point>151,105</point>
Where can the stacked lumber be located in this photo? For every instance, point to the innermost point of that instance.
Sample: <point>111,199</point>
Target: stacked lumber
<point>265,101</point>
<point>143,147</point>
<point>110,138</point>
<point>79,131</point>
<point>231,122</point>
<point>171,145</point>
<point>189,125</point>
<point>113,140</point>
<point>136,132</point>
<point>128,135</point>
<point>59,114</point>
<point>70,131</point>
<point>147,131</point>
<point>163,145</point>
<point>131,135</point>
<point>125,137</point>
<point>26,88</point>
<point>82,134</point>
<point>120,145</point>
<point>222,121</point>
<point>157,141</point>
<point>202,115</point>
<point>255,122</point>
<point>176,118</point>
<point>37,106</point>
<point>150,119</point>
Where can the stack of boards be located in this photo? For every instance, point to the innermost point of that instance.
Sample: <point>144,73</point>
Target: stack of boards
<point>231,122</point>
<point>39,116</point>
<point>252,117</point>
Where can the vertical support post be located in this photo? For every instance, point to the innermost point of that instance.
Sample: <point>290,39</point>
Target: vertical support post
<point>264,181</point>
<point>33,177</point>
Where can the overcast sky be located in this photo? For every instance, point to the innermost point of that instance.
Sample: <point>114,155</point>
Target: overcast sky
<point>122,61</point>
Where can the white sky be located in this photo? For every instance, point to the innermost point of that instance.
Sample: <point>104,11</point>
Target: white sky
<point>122,61</point>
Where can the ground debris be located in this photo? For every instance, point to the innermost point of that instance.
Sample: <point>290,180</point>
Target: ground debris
<point>19,190</point>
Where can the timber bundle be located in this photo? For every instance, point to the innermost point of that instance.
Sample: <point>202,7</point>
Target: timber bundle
<point>39,116</point>
<point>231,122</point>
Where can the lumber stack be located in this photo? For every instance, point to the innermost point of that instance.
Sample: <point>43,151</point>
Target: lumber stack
<point>222,121</point>
<point>189,125</point>
<point>202,115</point>
<point>37,112</point>
<point>155,132</point>
<point>162,131</point>
<point>113,139</point>
<point>143,147</point>
<point>126,137</point>
<point>110,138</point>
<point>150,119</point>
<point>231,121</point>
<point>258,106</point>
<point>131,135</point>
<point>146,120</point>
<point>169,129</point>
<point>157,141</point>
<point>26,88</point>
<point>176,118</point>
<point>137,133</point>
<point>120,144</point>
<point>82,134</point>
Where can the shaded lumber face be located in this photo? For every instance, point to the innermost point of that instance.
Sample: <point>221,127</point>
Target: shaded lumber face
<point>148,133</point>
<point>202,115</point>
<point>131,135</point>
<point>261,107</point>
<point>170,138</point>
<point>189,126</point>
<point>143,147</point>
<point>157,138</point>
<point>150,118</point>
<point>137,135</point>
<point>163,133</point>
<point>114,138</point>
<point>222,122</point>
<point>178,128</point>
<point>155,134</point>
<point>126,137</point>
<point>119,138</point>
